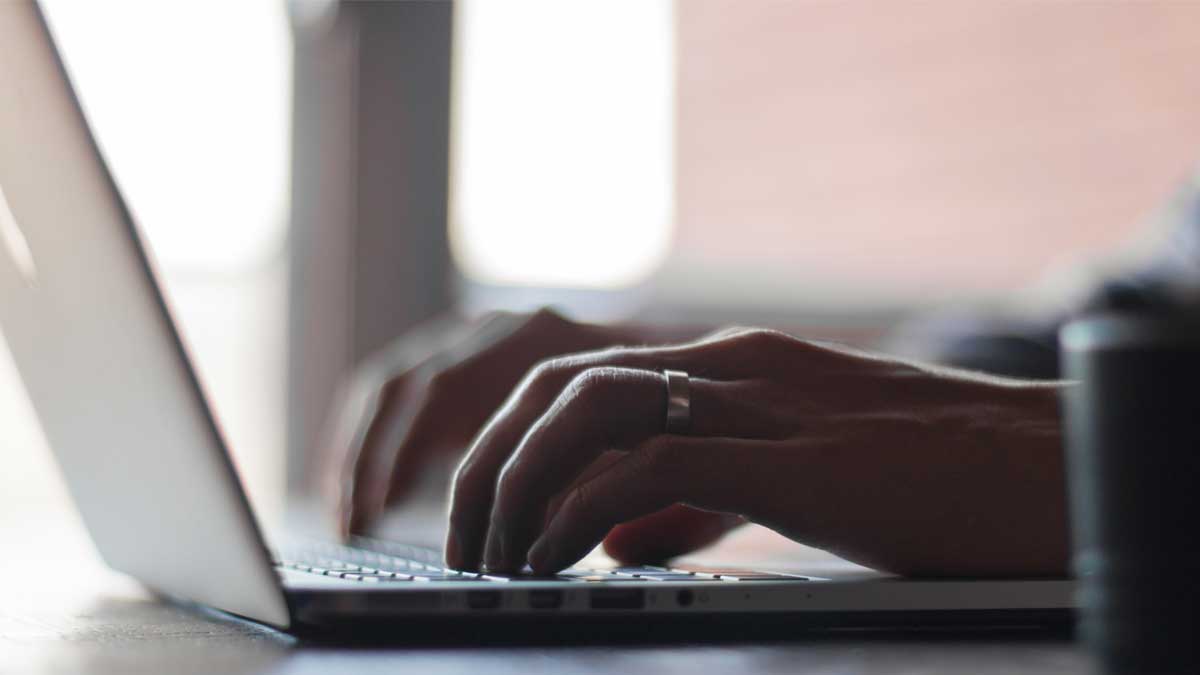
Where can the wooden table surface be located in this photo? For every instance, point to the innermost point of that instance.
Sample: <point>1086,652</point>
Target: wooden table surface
<point>61,611</point>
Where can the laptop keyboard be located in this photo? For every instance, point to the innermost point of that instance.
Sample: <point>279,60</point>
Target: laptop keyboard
<point>374,561</point>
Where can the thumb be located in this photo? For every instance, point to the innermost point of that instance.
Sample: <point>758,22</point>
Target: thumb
<point>673,531</point>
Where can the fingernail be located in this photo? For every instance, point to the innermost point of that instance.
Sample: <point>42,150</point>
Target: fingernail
<point>541,554</point>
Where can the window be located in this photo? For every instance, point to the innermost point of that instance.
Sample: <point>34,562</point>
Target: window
<point>190,103</point>
<point>563,159</point>
<point>831,155</point>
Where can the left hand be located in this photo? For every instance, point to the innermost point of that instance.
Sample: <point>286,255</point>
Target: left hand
<point>424,396</point>
<point>883,462</point>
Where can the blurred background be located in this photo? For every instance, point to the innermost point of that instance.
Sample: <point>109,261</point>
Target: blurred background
<point>316,177</point>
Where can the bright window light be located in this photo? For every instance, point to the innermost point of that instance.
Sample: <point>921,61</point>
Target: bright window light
<point>563,149</point>
<point>190,102</point>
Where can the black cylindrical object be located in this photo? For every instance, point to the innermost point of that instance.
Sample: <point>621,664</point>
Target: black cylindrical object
<point>1132,417</point>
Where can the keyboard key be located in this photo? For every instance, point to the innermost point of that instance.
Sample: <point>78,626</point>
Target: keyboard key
<point>383,562</point>
<point>762,577</point>
<point>651,574</point>
<point>611,578</point>
<point>389,576</point>
<point>684,578</point>
<point>637,570</point>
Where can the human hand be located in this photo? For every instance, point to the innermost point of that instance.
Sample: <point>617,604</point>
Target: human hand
<point>424,397</point>
<point>886,463</point>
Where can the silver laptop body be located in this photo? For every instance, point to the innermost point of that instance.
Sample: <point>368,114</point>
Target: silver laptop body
<point>147,467</point>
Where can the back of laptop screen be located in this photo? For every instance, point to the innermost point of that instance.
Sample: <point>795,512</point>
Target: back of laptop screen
<point>99,357</point>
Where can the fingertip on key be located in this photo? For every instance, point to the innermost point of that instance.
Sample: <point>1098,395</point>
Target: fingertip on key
<point>541,556</point>
<point>453,552</point>
<point>491,556</point>
<point>358,521</point>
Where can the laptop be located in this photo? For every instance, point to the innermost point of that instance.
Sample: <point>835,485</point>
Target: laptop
<point>146,465</point>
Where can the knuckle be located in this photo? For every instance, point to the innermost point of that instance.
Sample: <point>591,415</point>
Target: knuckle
<point>369,369</point>
<point>547,374</point>
<point>464,477</point>
<point>585,383</point>
<point>752,350</point>
<point>366,382</point>
<point>389,388</point>
<point>563,375</point>
<point>726,333</point>
<point>763,338</point>
<point>540,322</point>
<point>592,383</point>
<point>438,382</point>
<point>546,316</point>
<point>547,368</point>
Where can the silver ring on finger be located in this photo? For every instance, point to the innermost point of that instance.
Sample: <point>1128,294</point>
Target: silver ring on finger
<point>679,402</point>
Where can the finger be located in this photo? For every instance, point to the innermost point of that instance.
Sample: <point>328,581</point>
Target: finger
<point>602,409</point>
<point>601,464</point>
<point>674,531</point>
<point>339,444</point>
<point>350,436</point>
<point>701,472</point>
<point>474,377</point>
<point>369,409</point>
<point>423,435</point>
<point>366,484</point>
<point>393,407</point>
<point>474,483</point>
